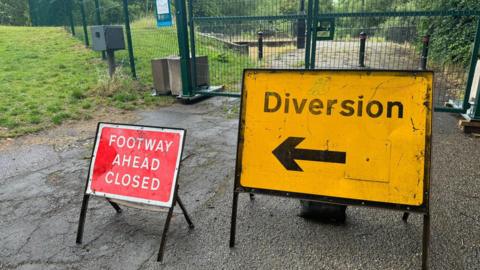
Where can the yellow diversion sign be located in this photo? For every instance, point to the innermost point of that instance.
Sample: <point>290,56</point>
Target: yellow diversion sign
<point>355,135</point>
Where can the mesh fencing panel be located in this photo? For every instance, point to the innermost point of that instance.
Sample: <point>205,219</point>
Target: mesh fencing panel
<point>240,34</point>
<point>149,42</point>
<point>243,34</point>
<point>397,44</point>
<point>47,12</point>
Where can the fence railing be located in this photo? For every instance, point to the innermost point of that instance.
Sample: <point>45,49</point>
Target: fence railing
<point>238,34</point>
<point>144,40</point>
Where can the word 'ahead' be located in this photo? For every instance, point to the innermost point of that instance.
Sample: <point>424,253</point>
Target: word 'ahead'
<point>135,163</point>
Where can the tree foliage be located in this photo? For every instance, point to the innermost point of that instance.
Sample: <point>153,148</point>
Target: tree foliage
<point>53,12</point>
<point>452,36</point>
<point>14,12</point>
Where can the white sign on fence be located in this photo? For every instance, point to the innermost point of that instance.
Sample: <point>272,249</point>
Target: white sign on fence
<point>164,14</point>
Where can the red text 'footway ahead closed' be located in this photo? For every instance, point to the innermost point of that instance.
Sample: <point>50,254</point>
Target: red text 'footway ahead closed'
<point>136,164</point>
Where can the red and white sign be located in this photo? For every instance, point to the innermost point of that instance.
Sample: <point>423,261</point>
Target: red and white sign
<point>136,164</point>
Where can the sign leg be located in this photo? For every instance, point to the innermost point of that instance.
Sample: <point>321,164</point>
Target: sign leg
<point>252,197</point>
<point>185,214</point>
<point>426,240</point>
<point>81,221</point>
<point>115,206</point>
<point>234,219</point>
<point>164,234</point>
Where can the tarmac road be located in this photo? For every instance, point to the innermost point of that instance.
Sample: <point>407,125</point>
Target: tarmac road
<point>41,190</point>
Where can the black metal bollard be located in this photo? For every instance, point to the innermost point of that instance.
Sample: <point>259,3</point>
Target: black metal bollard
<point>424,57</point>
<point>301,27</point>
<point>363,40</point>
<point>260,45</point>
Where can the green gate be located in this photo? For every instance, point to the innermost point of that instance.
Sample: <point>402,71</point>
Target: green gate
<point>402,35</point>
<point>333,34</point>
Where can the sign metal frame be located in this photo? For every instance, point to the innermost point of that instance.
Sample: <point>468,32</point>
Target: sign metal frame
<point>168,204</point>
<point>174,199</point>
<point>423,209</point>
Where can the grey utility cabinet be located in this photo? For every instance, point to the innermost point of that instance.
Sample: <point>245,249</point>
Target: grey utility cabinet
<point>175,73</point>
<point>107,38</point>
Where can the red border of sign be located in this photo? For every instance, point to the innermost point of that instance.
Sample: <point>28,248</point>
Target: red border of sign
<point>168,204</point>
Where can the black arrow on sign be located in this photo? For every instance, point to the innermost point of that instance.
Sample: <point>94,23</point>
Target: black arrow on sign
<point>287,153</point>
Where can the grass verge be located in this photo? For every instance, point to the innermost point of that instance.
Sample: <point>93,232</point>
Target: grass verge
<point>48,77</point>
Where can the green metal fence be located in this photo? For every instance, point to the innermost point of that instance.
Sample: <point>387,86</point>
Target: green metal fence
<point>441,35</point>
<point>398,34</point>
<point>46,12</point>
<point>145,40</point>
<point>242,34</point>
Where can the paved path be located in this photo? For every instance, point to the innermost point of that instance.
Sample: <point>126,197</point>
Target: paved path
<point>41,192</point>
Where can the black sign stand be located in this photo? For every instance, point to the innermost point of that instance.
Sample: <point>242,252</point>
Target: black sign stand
<point>83,214</point>
<point>425,236</point>
<point>167,223</point>
<point>287,152</point>
<point>426,221</point>
<point>176,198</point>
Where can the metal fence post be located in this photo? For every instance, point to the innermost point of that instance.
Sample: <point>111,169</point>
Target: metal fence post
<point>315,14</point>
<point>99,20</point>
<point>361,56</point>
<point>473,65</point>
<point>69,13</point>
<point>98,17</point>
<point>182,34</point>
<point>424,57</point>
<point>309,34</point>
<point>31,6</point>
<point>260,45</point>
<point>301,27</point>
<point>84,22</point>
<point>476,111</point>
<point>129,39</point>
<point>193,63</point>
